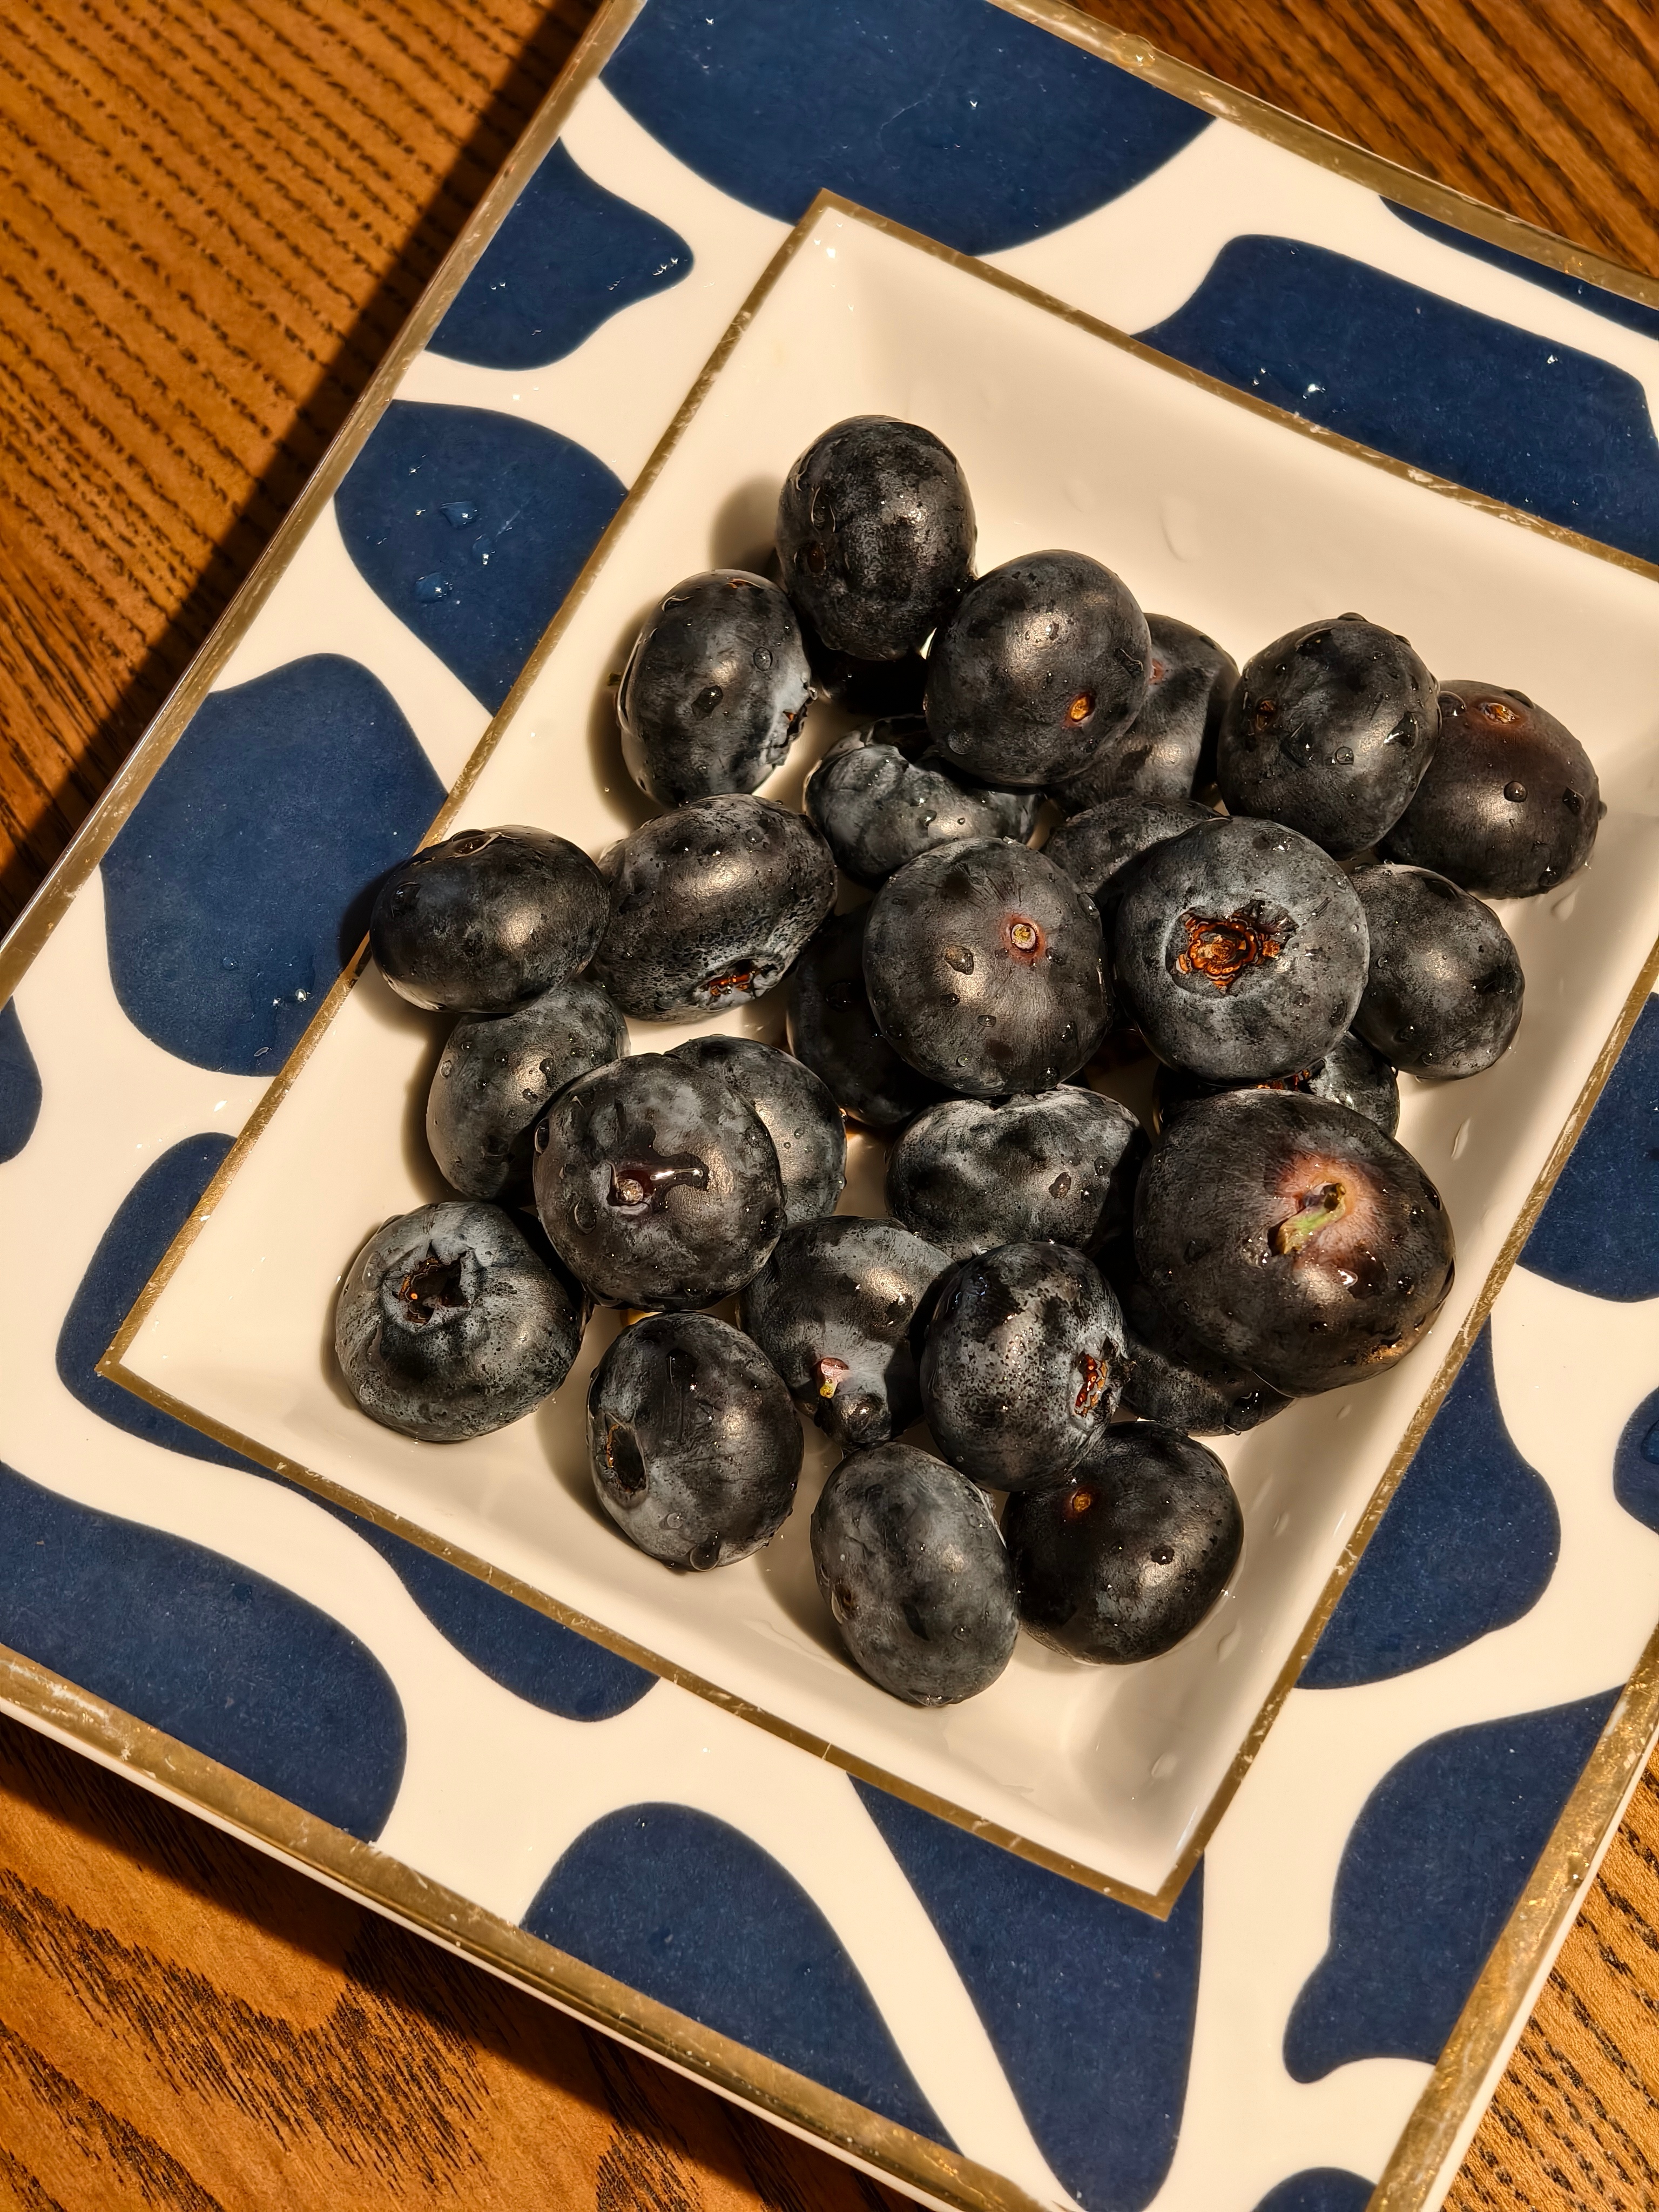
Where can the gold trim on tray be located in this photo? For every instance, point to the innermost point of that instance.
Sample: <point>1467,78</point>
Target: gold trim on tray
<point>33,1693</point>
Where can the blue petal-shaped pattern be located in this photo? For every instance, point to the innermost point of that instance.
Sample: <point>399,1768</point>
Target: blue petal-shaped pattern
<point>242,881</point>
<point>951,116</point>
<point>473,525</point>
<point>209,1651</point>
<point>1431,1869</point>
<point>20,1084</point>
<point>1636,1464</point>
<point>1547,427</point>
<point>683,1907</point>
<point>129,1252</point>
<point>1469,1544</point>
<point>1090,2004</point>
<point>1599,1231</point>
<point>568,256</point>
<point>1599,302</point>
<point>1319,2189</point>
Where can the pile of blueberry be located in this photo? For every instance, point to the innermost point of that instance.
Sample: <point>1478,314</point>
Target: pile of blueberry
<point>1273,882</point>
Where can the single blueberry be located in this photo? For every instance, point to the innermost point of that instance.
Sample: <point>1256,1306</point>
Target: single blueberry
<point>656,1184</point>
<point>876,535</point>
<point>498,1073</point>
<point>1351,1073</point>
<point>913,1571</point>
<point>833,1032</point>
<point>1291,1235</point>
<point>1044,661</point>
<point>839,1310</point>
<point>709,905</point>
<point>971,1173</point>
<point>1329,732</point>
<point>1510,804</point>
<point>450,1325</point>
<point>1175,1379</point>
<point>1023,1364</point>
<point>692,1441</point>
<point>798,1113</point>
<point>986,969</point>
<point>1123,1561</point>
<point>1168,752</point>
<point>878,806</point>
<point>1443,993</point>
<point>715,689</point>
<point>1240,949</point>
<point>488,918</point>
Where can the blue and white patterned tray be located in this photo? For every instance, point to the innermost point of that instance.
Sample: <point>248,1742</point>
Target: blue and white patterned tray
<point>1310,2027</point>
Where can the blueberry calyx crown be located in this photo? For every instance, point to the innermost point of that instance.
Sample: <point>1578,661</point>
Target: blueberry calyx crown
<point>745,979</point>
<point>1221,947</point>
<point>641,1186</point>
<point>433,1286</point>
<point>1093,1387</point>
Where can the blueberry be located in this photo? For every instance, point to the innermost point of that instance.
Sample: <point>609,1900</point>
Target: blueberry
<point>709,905</point>
<point>488,918</point>
<point>1023,1364</point>
<point>875,536</point>
<point>1293,1236</point>
<point>449,1324</point>
<point>656,1184</point>
<point>1168,752</point>
<point>715,689</point>
<point>838,1309</point>
<point>877,808</point>
<point>970,1174</point>
<point>1175,1379</point>
<point>833,1032</point>
<point>799,1115</point>
<point>1350,1072</point>
<point>1044,661</point>
<point>1329,732</point>
<point>1240,949</point>
<point>986,969</point>
<point>692,1442</point>
<point>1124,1561</point>
<point>1444,995</point>
<point>1510,804</point>
<point>497,1074</point>
<point>912,1568</point>
<point>1096,848</point>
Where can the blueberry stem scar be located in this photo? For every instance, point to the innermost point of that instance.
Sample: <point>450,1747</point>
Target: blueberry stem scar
<point>431,1286</point>
<point>641,1186</point>
<point>1318,1210</point>
<point>831,1374</point>
<point>1220,947</point>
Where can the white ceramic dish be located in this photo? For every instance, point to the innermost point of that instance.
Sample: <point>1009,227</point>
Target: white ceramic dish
<point>1212,508</point>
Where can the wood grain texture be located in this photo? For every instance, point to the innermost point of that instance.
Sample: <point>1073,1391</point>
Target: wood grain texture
<point>212,222</point>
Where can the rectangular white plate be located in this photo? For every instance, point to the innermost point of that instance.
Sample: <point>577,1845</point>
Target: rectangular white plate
<point>1212,508</point>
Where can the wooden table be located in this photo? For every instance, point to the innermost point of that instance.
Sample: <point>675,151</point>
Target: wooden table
<point>212,221</point>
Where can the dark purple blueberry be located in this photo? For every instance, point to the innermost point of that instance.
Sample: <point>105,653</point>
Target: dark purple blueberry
<point>1175,1379</point>
<point>1293,1236</point>
<point>1351,1073</point>
<point>449,1324</point>
<point>1125,1559</point>
<point>709,905</point>
<point>1510,804</point>
<point>656,1184</point>
<point>1096,848</point>
<point>497,1074</point>
<point>1329,732</point>
<point>1240,950</point>
<point>692,1441</point>
<point>986,969</point>
<point>1043,662</point>
<point>799,1115</point>
<point>488,918</point>
<point>1444,991</point>
<point>832,1031</point>
<point>879,808</point>
<point>839,1310</point>
<point>1023,1364</point>
<point>715,689</point>
<point>876,536</point>
<point>1169,750</point>
<point>912,1568</point>
<point>1061,1166</point>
